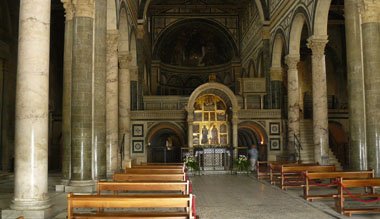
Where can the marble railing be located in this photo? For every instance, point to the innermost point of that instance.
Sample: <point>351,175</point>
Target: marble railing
<point>260,113</point>
<point>159,115</point>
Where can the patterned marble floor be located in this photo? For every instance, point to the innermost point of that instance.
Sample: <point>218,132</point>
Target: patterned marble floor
<point>220,197</point>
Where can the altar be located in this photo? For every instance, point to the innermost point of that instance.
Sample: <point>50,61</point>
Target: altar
<point>213,158</point>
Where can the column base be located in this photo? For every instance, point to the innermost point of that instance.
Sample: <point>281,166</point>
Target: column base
<point>11,213</point>
<point>81,186</point>
<point>31,204</point>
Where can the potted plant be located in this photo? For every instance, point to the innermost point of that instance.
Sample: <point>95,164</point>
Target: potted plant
<point>191,164</point>
<point>241,164</point>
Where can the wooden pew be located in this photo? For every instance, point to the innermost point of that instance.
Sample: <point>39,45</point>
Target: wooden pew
<point>275,169</point>
<point>115,187</point>
<point>154,170</point>
<point>346,193</point>
<point>157,206</point>
<point>292,176</point>
<point>263,168</point>
<point>149,177</point>
<point>332,177</point>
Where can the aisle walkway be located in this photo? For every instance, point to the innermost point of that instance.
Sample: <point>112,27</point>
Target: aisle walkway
<point>220,197</point>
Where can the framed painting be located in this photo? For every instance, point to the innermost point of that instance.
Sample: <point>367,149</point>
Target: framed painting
<point>138,146</point>
<point>138,130</point>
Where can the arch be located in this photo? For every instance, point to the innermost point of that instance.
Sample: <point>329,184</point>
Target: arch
<point>260,65</point>
<point>175,128</point>
<point>256,128</point>
<point>213,88</point>
<point>321,15</point>
<point>299,20</point>
<point>279,44</point>
<point>251,69</point>
<point>123,46</point>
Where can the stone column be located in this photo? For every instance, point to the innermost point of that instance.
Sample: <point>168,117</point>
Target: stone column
<point>112,98</point>
<point>99,96</point>
<point>235,123</point>
<point>370,14</point>
<point>32,97</point>
<point>268,103</point>
<point>81,103</point>
<point>154,80</point>
<point>66,99</point>
<point>320,112</point>
<point>355,74</point>
<point>293,101</point>
<point>190,120</point>
<point>125,104</point>
<point>276,84</point>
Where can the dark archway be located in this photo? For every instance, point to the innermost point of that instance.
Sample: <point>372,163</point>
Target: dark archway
<point>250,133</point>
<point>338,141</point>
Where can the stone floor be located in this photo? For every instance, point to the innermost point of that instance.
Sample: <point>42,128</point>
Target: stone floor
<point>219,196</point>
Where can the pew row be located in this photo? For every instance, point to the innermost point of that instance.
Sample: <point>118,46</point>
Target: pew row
<point>154,170</point>
<point>82,206</point>
<point>293,176</point>
<point>318,180</point>
<point>116,187</point>
<point>149,177</point>
<point>275,170</point>
<point>346,194</point>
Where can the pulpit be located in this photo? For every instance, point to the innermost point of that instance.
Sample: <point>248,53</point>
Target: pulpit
<point>213,158</point>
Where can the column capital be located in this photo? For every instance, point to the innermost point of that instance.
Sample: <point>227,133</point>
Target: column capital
<point>140,31</point>
<point>370,11</point>
<point>69,9</point>
<point>112,39</point>
<point>292,61</point>
<point>317,45</point>
<point>276,73</point>
<point>265,33</point>
<point>84,8</point>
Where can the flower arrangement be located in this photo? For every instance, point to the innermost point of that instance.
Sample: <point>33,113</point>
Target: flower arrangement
<point>242,163</point>
<point>191,163</point>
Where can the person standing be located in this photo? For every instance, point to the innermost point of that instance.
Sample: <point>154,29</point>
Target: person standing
<point>253,156</point>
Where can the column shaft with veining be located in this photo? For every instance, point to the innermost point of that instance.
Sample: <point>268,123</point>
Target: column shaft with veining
<point>355,75</point>
<point>320,112</point>
<point>81,104</point>
<point>99,117</point>
<point>293,102</point>
<point>125,103</point>
<point>32,98</point>
<point>276,84</point>
<point>112,95</point>
<point>370,12</point>
<point>66,96</point>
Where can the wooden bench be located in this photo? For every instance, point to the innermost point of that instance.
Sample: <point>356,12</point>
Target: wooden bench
<point>153,171</point>
<point>115,187</point>
<point>345,193</point>
<point>275,169</point>
<point>263,168</point>
<point>129,206</point>
<point>292,176</point>
<point>331,177</point>
<point>149,177</point>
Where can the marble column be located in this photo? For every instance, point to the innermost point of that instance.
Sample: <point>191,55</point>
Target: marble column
<point>370,14</point>
<point>355,74</point>
<point>235,137</point>
<point>276,84</point>
<point>81,102</point>
<point>66,96</point>
<point>32,97</point>
<point>293,102</point>
<point>266,67</point>
<point>112,98</point>
<point>99,96</point>
<point>320,111</point>
<point>190,120</point>
<point>125,104</point>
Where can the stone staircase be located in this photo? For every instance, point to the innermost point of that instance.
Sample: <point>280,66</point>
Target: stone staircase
<point>306,139</point>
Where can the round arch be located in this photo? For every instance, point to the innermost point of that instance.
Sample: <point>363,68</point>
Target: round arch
<point>252,69</point>
<point>156,128</point>
<point>300,18</point>
<point>321,15</point>
<point>256,128</point>
<point>250,133</point>
<point>219,89</point>
<point>278,47</point>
